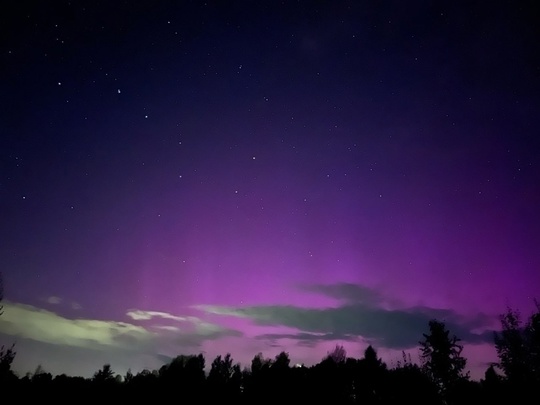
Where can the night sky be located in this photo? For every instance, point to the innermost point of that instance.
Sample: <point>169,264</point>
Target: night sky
<point>184,177</point>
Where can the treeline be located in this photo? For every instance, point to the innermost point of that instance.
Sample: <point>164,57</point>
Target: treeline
<point>337,379</point>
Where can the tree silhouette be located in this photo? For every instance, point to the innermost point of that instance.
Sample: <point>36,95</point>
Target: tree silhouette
<point>532,333</point>
<point>338,354</point>
<point>129,376</point>
<point>6,358</point>
<point>518,349</point>
<point>256,380</point>
<point>6,355</point>
<point>105,375</point>
<point>371,377</point>
<point>510,346</point>
<point>184,373</point>
<point>371,360</point>
<point>141,383</point>
<point>407,383</point>
<point>40,376</point>
<point>105,383</point>
<point>224,379</point>
<point>329,382</point>
<point>1,294</point>
<point>259,363</point>
<point>442,360</point>
<point>281,362</point>
<point>494,387</point>
<point>279,380</point>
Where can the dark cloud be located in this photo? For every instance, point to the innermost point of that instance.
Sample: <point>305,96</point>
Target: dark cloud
<point>359,317</point>
<point>195,340</point>
<point>306,339</point>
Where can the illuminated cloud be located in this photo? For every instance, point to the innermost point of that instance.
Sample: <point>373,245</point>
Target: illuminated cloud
<point>40,325</point>
<point>30,322</point>
<point>192,330</point>
<point>168,328</point>
<point>139,315</point>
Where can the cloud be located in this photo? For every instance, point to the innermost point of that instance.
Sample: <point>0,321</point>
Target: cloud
<point>29,322</point>
<point>169,328</point>
<point>359,317</point>
<point>304,338</point>
<point>192,326</point>
<point>212,330</point>
<point>54,300</point>
<point>195,339</point>
<point>138,315</point>
<point>75,305</point>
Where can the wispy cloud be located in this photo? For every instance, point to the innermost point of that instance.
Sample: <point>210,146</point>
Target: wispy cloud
<point>54,300</point>
<point>189,330</point>
<point>137,314</point>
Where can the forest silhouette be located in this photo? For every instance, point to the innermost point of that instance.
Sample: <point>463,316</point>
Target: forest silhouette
<point>440,378</point>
